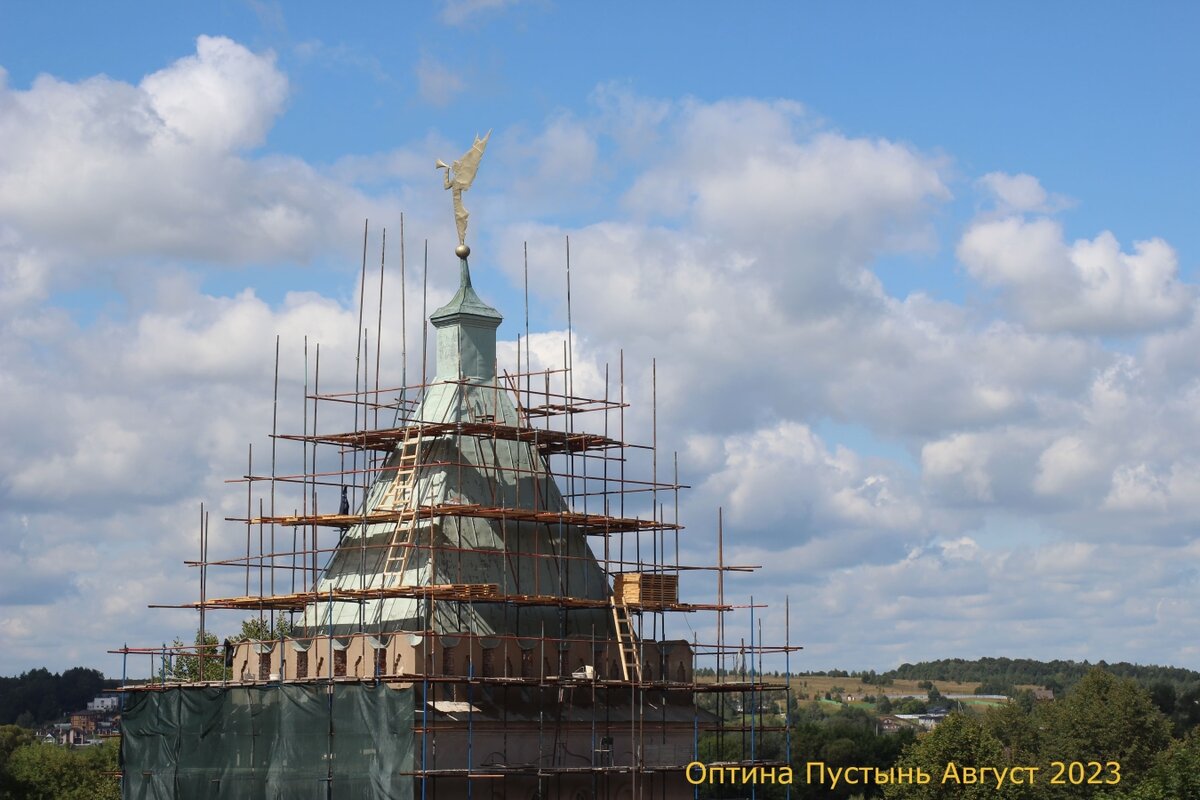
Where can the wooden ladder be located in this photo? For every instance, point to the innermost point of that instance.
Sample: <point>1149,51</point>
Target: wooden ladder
<point>399,495</point>
<point>631,664</point>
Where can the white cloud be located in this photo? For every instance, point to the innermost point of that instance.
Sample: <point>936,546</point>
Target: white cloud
<point>222,98</point>
<point>457,12</point>
<point>1057,600</point>
<point>816,205</point>
<point>545,171</point>
<point>101,170</point>
<point>1089,286</point>
<point>784,481</point>
<point>740,252</point>
<point>962,459</point>
<point>1068,464</point>
<point>437,84</point>
<point>1019,194</point>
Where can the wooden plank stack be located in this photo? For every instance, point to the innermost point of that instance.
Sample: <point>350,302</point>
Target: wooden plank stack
<point>646,588</point>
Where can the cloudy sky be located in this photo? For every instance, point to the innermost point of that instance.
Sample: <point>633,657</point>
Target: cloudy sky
<point>920,280</point>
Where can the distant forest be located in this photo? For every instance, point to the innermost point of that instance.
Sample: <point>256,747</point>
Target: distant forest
<point>1174,690</point>
<point>1006,673</point>
<point>39,696</point>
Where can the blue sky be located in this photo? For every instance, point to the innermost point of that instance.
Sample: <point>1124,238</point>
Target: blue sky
<point>921,280</point>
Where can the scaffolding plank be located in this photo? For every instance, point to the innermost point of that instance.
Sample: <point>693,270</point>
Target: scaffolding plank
<point>548,442</point>
<point>455,592</point>
<point>594,524</point>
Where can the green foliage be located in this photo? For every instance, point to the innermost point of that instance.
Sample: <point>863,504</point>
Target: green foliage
<point>849,737</point>
<point>53,772</point>
<point>261,629</point>
<point>39,696</point>
<point>1104,718</point>
<point>909,705</point>
<point>185,666</point>
<point>1017,729</point>
<point>1058,675</point>
<point>12,738</point>
<point>1164,695</point>
<point>962,740</point>
<point>994,686</point>
<point>1024,699</point>
<point>199,661</point>
<point>1175,773</point>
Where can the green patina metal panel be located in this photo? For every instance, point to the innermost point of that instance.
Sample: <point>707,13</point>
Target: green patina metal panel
<point>517,557</point>
<point>276,741</point>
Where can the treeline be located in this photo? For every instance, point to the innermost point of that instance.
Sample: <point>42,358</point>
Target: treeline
<point>840,738</point>
<point>40,696</point>
<point>1174,690</point>
<point>1057,675</point>
<point>1108,727</point>
<point>1104,739</point>
<point>31,770</point>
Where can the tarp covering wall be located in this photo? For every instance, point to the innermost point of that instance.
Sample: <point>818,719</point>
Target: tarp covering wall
<point>275,741</point>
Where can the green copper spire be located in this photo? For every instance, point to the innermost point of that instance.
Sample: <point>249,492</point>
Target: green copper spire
<point>465,301</point>
<point>466,333</point>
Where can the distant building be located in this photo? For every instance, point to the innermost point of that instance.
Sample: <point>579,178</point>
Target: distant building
<point>928,721</point>
<point>105,703</point>
<point>890,723</point>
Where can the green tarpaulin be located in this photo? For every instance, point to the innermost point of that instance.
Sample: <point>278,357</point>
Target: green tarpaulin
<point>275,741</point>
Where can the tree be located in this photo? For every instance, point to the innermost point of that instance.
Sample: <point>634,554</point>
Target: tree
<point>199,661</point>
<point>261,629</point>
<point>910,705</point>
<point>1017,729</point>
<point>12,738</point>
<point>1104,718</point>
<point>1175,774</point>
<point>51,772</point>
<point>960,740</point>
<point>1164,696</point>
<point>884,706</point>
<point>185,667</point>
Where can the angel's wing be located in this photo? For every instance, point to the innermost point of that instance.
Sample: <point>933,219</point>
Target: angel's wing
<point>466,167</point>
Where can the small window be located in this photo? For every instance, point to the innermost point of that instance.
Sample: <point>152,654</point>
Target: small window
<point>487,663</point>
<point>264,666</point>
<point>380,661</point>
<point>527,663</point>
<point>302,664</point>
<point>448,692</point>
<point>339,663</point>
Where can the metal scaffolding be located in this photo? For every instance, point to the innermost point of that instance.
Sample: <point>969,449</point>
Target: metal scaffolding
<point>536,695</point>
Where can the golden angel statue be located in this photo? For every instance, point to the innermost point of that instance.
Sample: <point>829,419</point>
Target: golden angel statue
<point>463,170</point>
